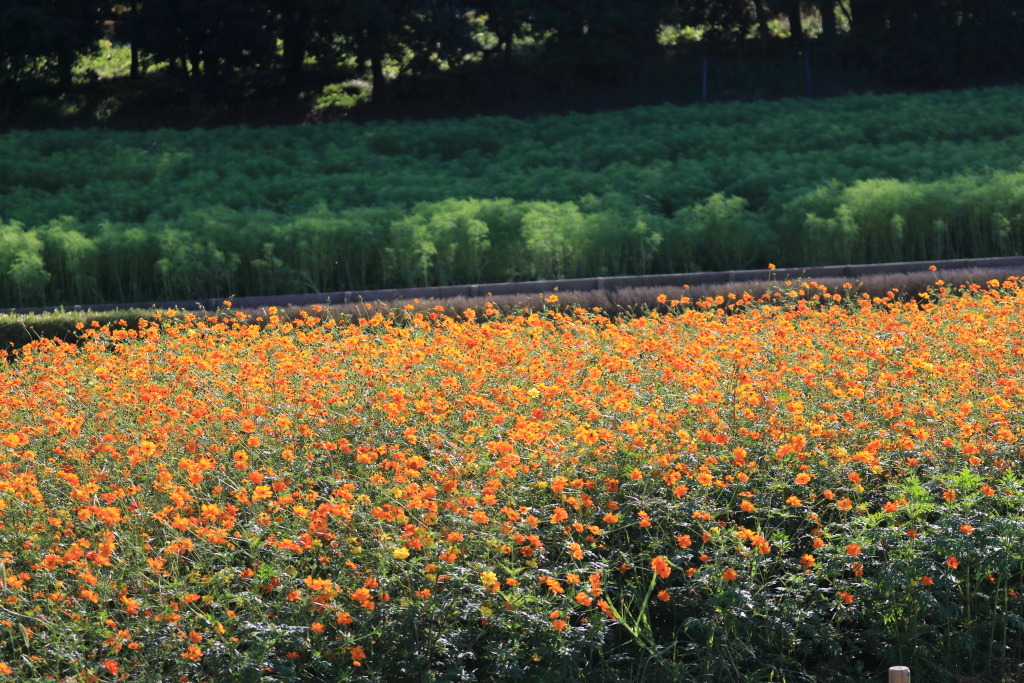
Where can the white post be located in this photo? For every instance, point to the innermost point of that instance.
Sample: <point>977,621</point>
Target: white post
<point>899,674</point>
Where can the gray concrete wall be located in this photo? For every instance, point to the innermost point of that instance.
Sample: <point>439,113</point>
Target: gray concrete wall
<point>675,281</point>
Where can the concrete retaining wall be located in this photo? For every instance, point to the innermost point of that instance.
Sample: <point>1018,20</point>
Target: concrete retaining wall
<point>669,282</point>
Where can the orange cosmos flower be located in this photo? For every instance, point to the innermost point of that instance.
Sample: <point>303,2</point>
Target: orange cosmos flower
<point>357,654</point>
<point>952,562</point>
<point>193,653</point>
<point>660,566</point>
<point>853,550</point>
<point>262,492</point>
<point>729,575</point>
<point>845,597</point>
<point>927,581</point>
<point>966,528</point>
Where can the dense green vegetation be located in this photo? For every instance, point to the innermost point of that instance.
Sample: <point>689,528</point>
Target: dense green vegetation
<point>88,215</point>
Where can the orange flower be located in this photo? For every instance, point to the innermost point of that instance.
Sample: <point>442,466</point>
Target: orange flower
<point>660,566</point>
<point>357,654</point>
<point>262,492</point>
<point>193,653</point>
<point>952,562</point>
<point>729,575</point>
<point>927,581</point>
<point>853,550</point>
<point>845,597</point>
<point>966,528</point>
<point>664,596</point>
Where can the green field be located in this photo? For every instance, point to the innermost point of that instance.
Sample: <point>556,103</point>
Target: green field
<point>94,215</point>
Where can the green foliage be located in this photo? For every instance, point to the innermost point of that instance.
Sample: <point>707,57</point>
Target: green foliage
<point>146,215</point>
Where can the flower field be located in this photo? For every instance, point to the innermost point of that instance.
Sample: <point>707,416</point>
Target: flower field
<point>818,487</point>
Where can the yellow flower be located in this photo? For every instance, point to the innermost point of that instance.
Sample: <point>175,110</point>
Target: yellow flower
<point>400,553</point>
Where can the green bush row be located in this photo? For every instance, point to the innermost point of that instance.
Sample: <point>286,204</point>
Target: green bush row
<point>91,216</point>
<point>227,252</point>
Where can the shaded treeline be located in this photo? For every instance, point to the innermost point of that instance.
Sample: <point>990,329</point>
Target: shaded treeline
<point>206,44</point>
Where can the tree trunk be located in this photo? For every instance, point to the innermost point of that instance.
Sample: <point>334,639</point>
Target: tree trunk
<point>762,20</point>
<point>195,102</point>
<point>378,82</point>
<point>294,39</point>
<point>7,93</point>
<point>828,20</point>
<point>64,64</point>
<point>796,23</point>
<point>133,25</point>
<point>136,71</point>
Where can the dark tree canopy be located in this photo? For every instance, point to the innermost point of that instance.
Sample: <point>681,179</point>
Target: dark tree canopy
<point>208,42</point>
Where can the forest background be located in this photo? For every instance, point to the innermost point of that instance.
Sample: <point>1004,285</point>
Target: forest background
<point>194,62</point>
